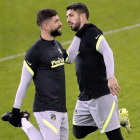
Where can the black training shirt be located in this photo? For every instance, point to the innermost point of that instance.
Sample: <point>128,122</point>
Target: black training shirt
<point>46,64</point>
<point>90,67</point>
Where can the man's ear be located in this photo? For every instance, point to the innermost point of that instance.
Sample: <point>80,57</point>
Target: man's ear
<point>46,26</point>
<point>83,16</point>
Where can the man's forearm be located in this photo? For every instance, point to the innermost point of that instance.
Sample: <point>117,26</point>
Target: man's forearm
<point>107,53</point>
<point>26,78</point>
<point>73,49</point>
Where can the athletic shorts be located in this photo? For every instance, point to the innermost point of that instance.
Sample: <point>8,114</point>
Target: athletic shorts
<point>53,125</point>
<point>101,112</point>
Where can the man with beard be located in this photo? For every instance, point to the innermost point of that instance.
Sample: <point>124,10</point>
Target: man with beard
<point>44,63</point>
<point>97,105</point>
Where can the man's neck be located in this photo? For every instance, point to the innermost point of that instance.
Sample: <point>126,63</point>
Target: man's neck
<point>47,36</point>
<point>83,23</point>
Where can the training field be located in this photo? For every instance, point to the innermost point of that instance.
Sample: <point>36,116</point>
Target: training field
<point>119,20</point>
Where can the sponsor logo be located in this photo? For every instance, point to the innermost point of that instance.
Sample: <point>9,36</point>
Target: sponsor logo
<point>97,37</point>
<point>102,121</point>
<point>29,63</point>
<point>58,62</point>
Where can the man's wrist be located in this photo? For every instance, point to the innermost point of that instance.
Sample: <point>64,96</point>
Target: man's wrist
<point>15,111</point>
<point>111,76</point>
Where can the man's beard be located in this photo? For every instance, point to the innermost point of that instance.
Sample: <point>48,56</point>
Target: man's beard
<point>77,26</point>
<point>55,33</point>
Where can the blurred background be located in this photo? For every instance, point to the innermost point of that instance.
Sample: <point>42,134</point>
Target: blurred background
<point>120,22</point>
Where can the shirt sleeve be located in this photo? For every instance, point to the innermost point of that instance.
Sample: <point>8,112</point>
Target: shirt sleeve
<point>73,50</point>
<point>31,60</point>
<point>103,48</point>
<point>29,67</point>
<point>26,78</point>
<point>65,54</point>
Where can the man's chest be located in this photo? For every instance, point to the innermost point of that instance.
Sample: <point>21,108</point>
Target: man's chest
<point>52,57</point>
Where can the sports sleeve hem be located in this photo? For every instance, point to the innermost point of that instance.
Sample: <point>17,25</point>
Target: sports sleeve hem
<point>67,57</point>
<point>98,42</point>
<point>28,68</point>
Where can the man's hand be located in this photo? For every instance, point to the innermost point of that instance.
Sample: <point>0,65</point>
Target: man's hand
<point>15,118</point>
<point>113,86</point>
<point>81,31</point>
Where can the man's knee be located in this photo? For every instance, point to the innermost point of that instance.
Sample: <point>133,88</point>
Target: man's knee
<point>82,131</point>
<point>34,134</point>
<point>76,132</point>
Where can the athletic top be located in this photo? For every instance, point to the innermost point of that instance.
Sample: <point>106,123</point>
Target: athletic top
<point>45,61</point>
<point>90,66</point>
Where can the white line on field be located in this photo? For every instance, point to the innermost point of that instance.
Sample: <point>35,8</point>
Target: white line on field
<point>68,42</point>
<point>13,56</point>
<point>121,29</point>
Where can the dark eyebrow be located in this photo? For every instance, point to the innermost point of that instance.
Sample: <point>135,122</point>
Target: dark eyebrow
<point>56,20</point>
<point>69,14</point>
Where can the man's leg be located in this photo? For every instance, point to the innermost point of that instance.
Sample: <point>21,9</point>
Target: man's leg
<point>114,135</point>
<point>64,128</point>
<point>82,131</point>
<point>49,123</point>
<point>107,116</point>
<point>27,127</point>
<point>83,122</point>
<point>30,130</point>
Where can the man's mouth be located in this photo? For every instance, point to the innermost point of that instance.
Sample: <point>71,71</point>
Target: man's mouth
<point>70,23</point>
<point>59,28</point>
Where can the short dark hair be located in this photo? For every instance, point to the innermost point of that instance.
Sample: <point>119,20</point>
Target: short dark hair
<point>80,7</point>
<point>45,14</point>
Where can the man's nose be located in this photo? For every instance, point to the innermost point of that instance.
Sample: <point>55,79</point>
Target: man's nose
<point>60,23</point>
<point>68,19</point>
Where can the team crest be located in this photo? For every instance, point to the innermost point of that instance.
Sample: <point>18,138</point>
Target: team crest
<point>53,117</point>
<point>59,50</point>
<point>75,112</point>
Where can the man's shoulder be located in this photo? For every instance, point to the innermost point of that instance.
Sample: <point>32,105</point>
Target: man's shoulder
<point>92,35</point>
<point>36,45</point>
<point>93,31</point>
<point>35,48</point>
<point>58,44</point>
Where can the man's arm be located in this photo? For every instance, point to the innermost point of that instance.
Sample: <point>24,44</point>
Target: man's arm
<point>73,50</point>
<point>29,67</point>
<point>103,48</point>
<point>107,53</point>
<point>74,47</point>
<point>26,78</point>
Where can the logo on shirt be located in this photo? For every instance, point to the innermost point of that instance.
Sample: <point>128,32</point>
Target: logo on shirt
<point>29,63</point>
<point>59,50</point>
<point>103,121</point>
<point>58,62</point>
<point>97,37</point>
<point>75,112</point>
<point>53,117</point>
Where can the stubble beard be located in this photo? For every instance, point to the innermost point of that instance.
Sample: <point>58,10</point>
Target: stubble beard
<point>76,27</point>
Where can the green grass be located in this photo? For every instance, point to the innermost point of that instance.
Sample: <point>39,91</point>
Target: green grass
<point>18,31</point>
